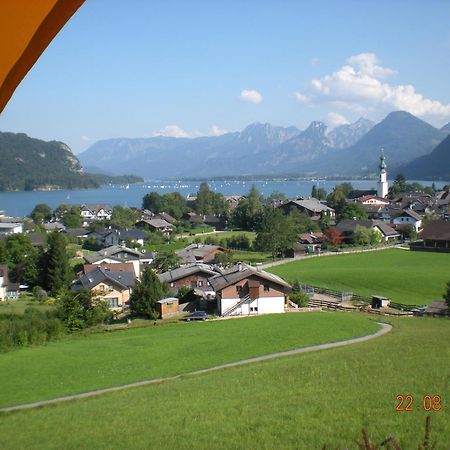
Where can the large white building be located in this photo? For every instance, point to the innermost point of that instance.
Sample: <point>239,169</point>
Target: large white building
<point>383,187</point>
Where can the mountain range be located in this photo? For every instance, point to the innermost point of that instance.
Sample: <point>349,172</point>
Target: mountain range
<point>351,149</point>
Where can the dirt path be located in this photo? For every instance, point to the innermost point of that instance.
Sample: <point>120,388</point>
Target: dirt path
<point>385,328</point>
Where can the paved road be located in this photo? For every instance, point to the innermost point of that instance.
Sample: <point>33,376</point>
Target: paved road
<point>385,328</point>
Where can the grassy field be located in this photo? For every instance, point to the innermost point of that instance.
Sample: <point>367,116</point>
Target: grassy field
<point>301,402</point>
<point>109,359</point>
<point>252,257</point>
<point>19,306</point>
<point>415,278</point>
<point>226,234</point>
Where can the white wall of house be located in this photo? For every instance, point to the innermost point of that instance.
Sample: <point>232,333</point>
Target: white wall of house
<point>263,305</point>
<point>408,220</point>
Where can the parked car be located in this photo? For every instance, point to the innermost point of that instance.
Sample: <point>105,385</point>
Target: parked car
<point>196,315</point>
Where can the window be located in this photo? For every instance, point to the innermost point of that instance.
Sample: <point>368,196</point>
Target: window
<point>208,283</point>
<point>102,288</point>
<point>172,284</point>
<point>238,289</point>
<point>253,309</point>
<point>110,288</point>
<point>266,288</point>
<point>200,283</point>
<point>113,302</point>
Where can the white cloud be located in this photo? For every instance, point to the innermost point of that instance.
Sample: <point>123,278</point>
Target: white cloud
<point>216,131</point>
<point>250,96</point>
<point>86,138</point>
<point>178,132</point>
<point>301,98</point>
<point>336,119</point>
<point>359,86</point>
<point>172,131</point>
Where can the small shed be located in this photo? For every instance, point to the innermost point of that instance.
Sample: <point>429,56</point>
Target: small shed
<point>437,308</point>
<point>167,307</point>
<point>379,302</point>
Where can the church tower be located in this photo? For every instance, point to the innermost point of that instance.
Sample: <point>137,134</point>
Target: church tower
<point>382,182</point>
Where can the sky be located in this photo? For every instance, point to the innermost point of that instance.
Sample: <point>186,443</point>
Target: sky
<point>190,68</point>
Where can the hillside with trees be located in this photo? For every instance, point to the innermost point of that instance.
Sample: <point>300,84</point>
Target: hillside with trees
<point>32,164</point>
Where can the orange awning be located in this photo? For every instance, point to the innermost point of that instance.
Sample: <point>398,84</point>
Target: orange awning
<point>26,28</point>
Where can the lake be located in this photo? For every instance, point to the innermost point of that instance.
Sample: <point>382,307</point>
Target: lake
<point>22,203</point>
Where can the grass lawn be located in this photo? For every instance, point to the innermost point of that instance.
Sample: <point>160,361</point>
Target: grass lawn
<point>302,402</point>
<point>101,360</point>
<point>415,278</point>
<point>252,257</point>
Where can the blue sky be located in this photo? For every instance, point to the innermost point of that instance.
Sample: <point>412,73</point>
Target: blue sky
<point>188,68</point>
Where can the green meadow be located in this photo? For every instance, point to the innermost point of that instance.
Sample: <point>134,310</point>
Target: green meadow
<point>82,363</point>
<point>415,278</point>
<point>301,402</point>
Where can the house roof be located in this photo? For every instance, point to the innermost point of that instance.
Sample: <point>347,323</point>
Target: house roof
<point>165,216</point>
<point>311,204</point>
<point>242,271</point>
<point>88,281</point>
<point>436,230</point>
<point>198,252</point>
<point>132,234</point>
<point>181,272</point>
<point>167,300</point>
<point>157,223</point>
<point>95,207</point>
<point>77,232</point>
<point>411,213</point>
<point>53,226</point>
<point>110,267</point>
<point>112,252</point>
<point>9,226</point>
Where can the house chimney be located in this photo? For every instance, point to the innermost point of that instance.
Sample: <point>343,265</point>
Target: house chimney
<point>239,266</point>
<point>258,266</point>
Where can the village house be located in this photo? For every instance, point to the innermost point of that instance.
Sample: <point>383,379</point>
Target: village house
<point>196,253</point>
<point>194,276</point>
<point>134,235</point>
<point>408,217</point>
<point>311,206</point>
<point>112,287</point>
<point>153,224</point>
<point>119,253</point>
<point>7,228</point>
<point>309,242</point>
<point>8,290</point>
<point>94,212</point>
<point>244,290</point>
<point>165,216</point>
<point>371,200</point>
<point>54,226</point>
<point>348,227</point>
<point>104,238</point>
<point>436,236</point>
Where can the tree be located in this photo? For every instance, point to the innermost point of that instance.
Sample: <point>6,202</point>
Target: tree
<point>353,211</point>
<point>336,199</point>
<point>69,215</point>
<point>147,291</point>
<point>123,218</point>
<point>314,191</point>
<point>302,222</point>
<point>81,309</point>
<point>152,202</point>
<point>362,236</point>
<point>278,233</point>
<point>41,213</point>
<point>249,212</point>
<point>58,269</point>
<point>224,259</point>
<point>333,235</point>
<point>166,260</point>
<point>447,294</point>
<point>321,194</point>
<point>209,202</point>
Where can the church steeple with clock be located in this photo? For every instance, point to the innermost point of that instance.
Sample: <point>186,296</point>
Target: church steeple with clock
<point>383,186</point>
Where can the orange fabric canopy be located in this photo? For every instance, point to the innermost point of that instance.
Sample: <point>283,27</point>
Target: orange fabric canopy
<point>26,28</point>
